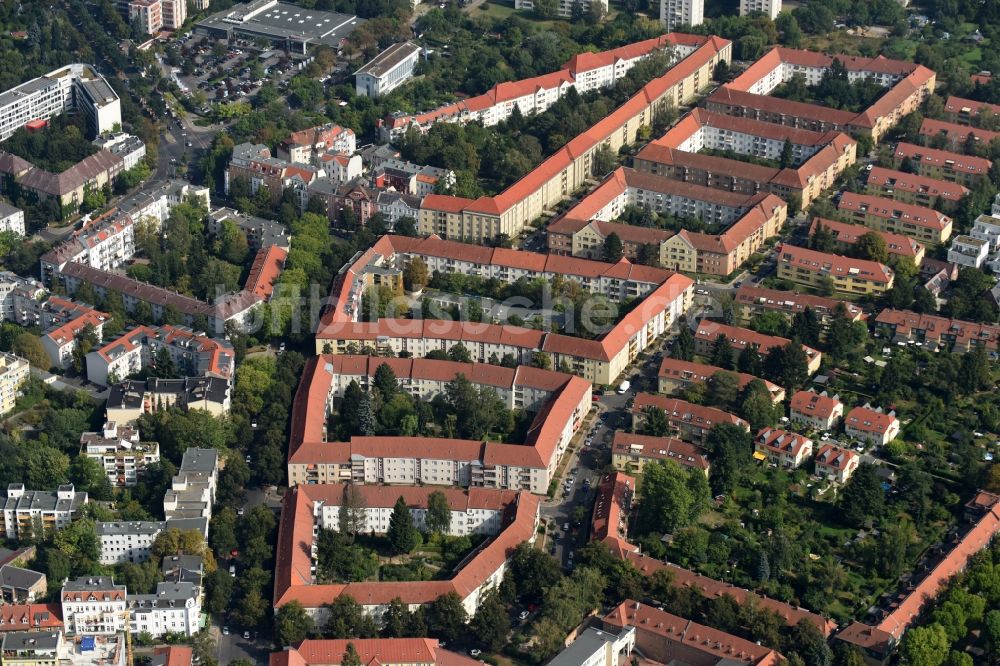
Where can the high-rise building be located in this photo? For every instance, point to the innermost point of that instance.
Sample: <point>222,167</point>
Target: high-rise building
<point>770,8</point>
<point>677,13</point>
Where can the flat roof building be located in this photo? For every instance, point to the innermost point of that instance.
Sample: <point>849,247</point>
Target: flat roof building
<point>388,70</point>
<point>285,26</point>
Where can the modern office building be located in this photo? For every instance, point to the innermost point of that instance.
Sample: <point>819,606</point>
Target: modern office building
<point>388,70</point>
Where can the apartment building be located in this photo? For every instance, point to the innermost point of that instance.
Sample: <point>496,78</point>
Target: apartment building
<point>237,307</point>
<point>253,164</point>
<point>388,70</point>
<point>394,206</point>
<point>268,264</point>
<point>739,338</point>
<point>822,270</point>
<point>67,321</point>
<point>130,399</point>
<point>130,148</point>
<point>817,411</point>
<point>66,188</point>
<point>32,648</point>
<point>769,8</point>
<point>935,332</point>
<point>942,164</point>
<point>568,8</point>
<point>968,251</point>
<point>35,514</point>
<point>747,220</point>
<point>782,448</point>
<point>174,608</point>
<point>923,224</point>
<point>559,401</point>
<point>675,14</point>
<point>676,375</point>
<point>120,452</point>
<point>968,112</point>
<point>845,235</point>
<point>480,572</point>
<point>30,617</point>
<point>987,228</point>
<point>871,425</point>
<point>593,647</point>
<point>747,95</point>
<point>835,463</point>
<point>11,219</point>
<point>631,452</point>
<point>601,360</point>
<point>914,189</point>
<point>956,136</point>
<point>133,541</point>
<point>474,511</point>
<point>752,300</point>
<point>14,372</point>
<point>692,422</point>
<point>566,170</point>
<point>94,605</point>
<point>192,489</point>
<point>193,354</point>
<point>670,639</point>
<point>308,145</point>
<point>146,14</point>
<point>75,87</point>
<point>583,72</point>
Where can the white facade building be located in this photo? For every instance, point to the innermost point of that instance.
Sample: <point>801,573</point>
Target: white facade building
<point>14,372</point>
<point>565,8</point>
<point>133,542</point>
<point>174,13</point>
<point>33,513</point>
<point>130,148</point>
<point>388,70</point>
<point>594,647</point>
<point>11,219</point>
<point>968,251</point>
<point>677,13</point>
<point>174,608</point>
<point>93,605</point>
<point>75,87</point>
<point>770,8</point>
<point>120,451</point>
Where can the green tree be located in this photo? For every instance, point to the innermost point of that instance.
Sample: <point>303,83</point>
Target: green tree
<point>822,239</point>
<point>346,619</point>
<point>862,500</point>
<point>721,355</point>
<point>730,447</point>
<point>29,347</point>
<point>402,534</point>
<point>787,157</point>
<point>654,422</point>
<point>925,646</point>
<point>438,518</point>
<point>351,657</point>
<point>723,389</point>
<point>385,382</point>
<point>415,276</point>
<point>447,616</point>
<point>683,349</point>
<point>671,499</point>
<point>292,624</point>
<point>491,622</point>
<point>613,249</point>
<point>871,246</point>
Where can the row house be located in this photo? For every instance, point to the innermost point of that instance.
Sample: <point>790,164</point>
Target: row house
<point>785,449</point>
<point>707,332</point>
<point>871,425</point>
<point>692,422</point>
<point>936,332</point>
<point>752,300</point>
<point>817,411</point>
<point>676,376</point>
<point>835,463</point>
<point>632,452</point>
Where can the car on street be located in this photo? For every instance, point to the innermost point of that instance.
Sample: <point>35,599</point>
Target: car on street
<point>475,652</point>
<point>524,615</point>
<point>246,635</point>
<point>225,631</point>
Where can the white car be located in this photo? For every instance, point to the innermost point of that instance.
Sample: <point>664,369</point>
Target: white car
<point>524,615</point>
<point>475,652</point>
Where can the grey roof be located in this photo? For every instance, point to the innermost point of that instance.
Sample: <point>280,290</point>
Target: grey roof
<point>134,527</point>
<point>42,500</point>
<point>185,524</point>
<point>199,460</point>
<point>91,583</point>
<point>6,210</point>
<point>586,645</point>
<point>18,578</point>
<point>31,640</point>
<point>166,595</point>
<point>386,61</point>
<point>128,394</point>
<point>282,21</point>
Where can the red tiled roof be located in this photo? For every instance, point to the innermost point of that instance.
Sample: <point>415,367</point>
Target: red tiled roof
<point>684,411</point>
<point>868,420</point>
<point>176,655</point>
<point>30,617</point>
<point>661,448</point>
<point>266,269</point>
<point>814,404</point>
<point>909,182</point>
<point>965,164</point>
<point>848,234</point>
<point>889,209</point>
<point>702,372</point>
<point>936,328</point>
<point>792,302</point>
<point>372,651</point>
<point>833,456</point>
<point>837,266</point>
<point>782,441</point>
<point>956,133</point>
<point>609,523</point>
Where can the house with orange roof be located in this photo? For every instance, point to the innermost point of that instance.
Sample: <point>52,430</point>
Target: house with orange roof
<point>936,332</point>
<point>670,639</point>
<point>70,321</point>
<point>967,111</point>
<point>785,449</point>
<point>692,422</point>
<point>265,271</point>
<point>845,235</point>
<point>571,166</point>
<point>676,375</point>
<point>942,164</point>
<point>191,353</point>
<point>309,144</point>
<point>923,224</point>
<point>372,651</point>
<point>559,401</point>
<point>609,521</point>
<point>871,425</point>
<point>956,136</point>
<point>665,296</point>
<point>30,617</point>
<point>822,269</point>
<point>913,188</point>
<point>816,410</point>
<point>294,569</point>
<point>631,452</point>
<point>836,463</point>
<point>753,300</point>
<point>707,332</point>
